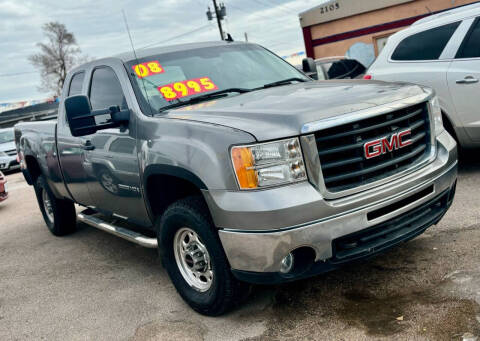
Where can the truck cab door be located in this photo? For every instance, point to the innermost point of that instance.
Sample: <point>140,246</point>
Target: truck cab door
<point>111,163</point>
<point>71,150</point>
<point>464,81</point>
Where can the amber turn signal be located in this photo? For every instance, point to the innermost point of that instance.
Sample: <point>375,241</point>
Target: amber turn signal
<point>244,167</point>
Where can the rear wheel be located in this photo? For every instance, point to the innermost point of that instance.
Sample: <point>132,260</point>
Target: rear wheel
<point>59,214</point>
<point>194,258</point>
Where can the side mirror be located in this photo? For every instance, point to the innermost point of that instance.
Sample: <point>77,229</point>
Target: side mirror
<point>309,67</point>
<point>79,115</point>
<point>81,118</point>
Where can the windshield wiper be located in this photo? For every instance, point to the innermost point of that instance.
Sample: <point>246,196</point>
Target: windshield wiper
<point>284,81</point>
<point>200,98</point>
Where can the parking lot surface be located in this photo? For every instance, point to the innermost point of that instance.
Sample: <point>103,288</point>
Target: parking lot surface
<point>94,286</point>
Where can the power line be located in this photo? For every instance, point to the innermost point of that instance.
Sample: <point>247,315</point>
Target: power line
<point>262,16</point>
<point>17,73</point>
<point>282,5</point>
<point>177,36</point>
<point>269,6</point>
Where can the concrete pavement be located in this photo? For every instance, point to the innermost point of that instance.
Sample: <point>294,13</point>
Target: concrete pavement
<point>94,286</point>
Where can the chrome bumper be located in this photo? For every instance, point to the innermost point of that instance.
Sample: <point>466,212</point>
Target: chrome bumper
<point>262,248</point>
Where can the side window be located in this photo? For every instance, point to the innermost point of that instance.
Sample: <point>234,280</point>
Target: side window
<point>471,45</point>
<point>76,84</point>
<point>426,45</point>
<point>105,89</point>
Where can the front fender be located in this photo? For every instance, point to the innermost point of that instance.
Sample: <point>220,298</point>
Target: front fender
<point>198,152</point>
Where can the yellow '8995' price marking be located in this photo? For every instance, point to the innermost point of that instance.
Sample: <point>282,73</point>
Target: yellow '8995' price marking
<point>168,93</point>
<point>186,88</point>
<point>148,69</point>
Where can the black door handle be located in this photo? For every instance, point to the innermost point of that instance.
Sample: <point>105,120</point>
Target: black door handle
<point>87,145</point>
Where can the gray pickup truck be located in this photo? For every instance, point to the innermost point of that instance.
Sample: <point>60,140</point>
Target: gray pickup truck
<point>237,166</point>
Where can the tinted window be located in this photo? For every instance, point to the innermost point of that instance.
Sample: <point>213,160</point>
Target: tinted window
<point>123,145</point>
<point>105,90</point>
<point>426,45</point>
<point>471,46</point>
<point>76,84</point>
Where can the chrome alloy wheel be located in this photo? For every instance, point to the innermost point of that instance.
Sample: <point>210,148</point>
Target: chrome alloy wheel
<point>47,205</point>
<point>193,259</point>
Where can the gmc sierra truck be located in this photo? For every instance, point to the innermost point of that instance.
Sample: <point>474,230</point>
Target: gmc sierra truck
<point>238,167</point>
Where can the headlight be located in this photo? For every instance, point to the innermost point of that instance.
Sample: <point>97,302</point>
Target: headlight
<point>268,164</point>
<point>436,115</point>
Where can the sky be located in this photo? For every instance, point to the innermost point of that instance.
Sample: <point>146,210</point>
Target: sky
<point>100,31</point>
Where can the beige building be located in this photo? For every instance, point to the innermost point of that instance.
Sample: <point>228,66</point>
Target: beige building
<point>334,27</point>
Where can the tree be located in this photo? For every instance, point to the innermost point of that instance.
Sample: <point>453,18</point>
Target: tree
<point>56,57</point>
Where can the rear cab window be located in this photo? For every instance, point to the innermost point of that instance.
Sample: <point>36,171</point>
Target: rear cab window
<point>426,45</point>
<point>76,84</point>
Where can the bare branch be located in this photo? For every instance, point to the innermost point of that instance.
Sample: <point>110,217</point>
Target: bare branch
<point>56,57</point>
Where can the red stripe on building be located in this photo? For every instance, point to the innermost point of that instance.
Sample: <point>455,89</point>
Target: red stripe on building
<point>307,38</point>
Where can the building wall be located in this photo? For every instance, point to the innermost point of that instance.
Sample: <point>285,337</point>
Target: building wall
<point>335,37</point>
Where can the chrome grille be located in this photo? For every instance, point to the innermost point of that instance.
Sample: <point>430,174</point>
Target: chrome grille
<point>341,148</point>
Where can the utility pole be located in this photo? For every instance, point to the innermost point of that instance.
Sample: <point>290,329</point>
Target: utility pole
<point>219,20</point>
<point>220,13</point>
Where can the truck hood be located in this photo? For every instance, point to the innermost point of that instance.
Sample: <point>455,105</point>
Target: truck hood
<point>7,146</point>
<point>282,111</point>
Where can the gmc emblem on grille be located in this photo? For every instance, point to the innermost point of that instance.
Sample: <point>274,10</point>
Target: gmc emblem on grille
<point>387,144</point>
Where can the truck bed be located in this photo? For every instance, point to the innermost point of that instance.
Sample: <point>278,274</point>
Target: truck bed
<point>37,143</point>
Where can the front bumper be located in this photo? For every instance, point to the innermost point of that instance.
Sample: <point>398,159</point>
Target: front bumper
<point>8,163</point>
<point>255,253</point>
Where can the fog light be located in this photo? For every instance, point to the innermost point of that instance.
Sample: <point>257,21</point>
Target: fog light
<point>287,264</point>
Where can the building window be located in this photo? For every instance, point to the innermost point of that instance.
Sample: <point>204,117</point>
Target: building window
<point>380,42</point>
<point>426,45</point>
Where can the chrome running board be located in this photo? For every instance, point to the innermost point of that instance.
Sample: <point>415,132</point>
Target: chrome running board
<point>118,231</point>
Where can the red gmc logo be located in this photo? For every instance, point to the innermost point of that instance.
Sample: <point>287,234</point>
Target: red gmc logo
<point>381,146</point>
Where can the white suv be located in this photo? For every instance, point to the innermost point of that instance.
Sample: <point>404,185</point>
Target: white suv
<point>441,51</point>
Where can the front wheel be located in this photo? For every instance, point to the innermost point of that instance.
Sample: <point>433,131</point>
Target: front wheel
<point>194,258</point>
<point>59,214</point>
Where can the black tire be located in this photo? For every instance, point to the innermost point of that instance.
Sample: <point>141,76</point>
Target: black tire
<point>63,216</point>
<point>225,291</point>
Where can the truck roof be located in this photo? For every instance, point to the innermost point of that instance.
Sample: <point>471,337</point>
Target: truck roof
<point>141,53</point>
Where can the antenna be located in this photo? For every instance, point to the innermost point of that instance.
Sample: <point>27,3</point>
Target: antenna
<point>129,35</point>
<point>135,55</point>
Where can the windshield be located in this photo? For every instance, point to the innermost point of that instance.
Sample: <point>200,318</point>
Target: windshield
<point>6,136</point>
<point>176,77</point>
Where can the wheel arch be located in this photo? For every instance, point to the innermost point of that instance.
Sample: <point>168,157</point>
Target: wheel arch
<point>165,184</point>
<point>449,127</point>
<point>33,170</point>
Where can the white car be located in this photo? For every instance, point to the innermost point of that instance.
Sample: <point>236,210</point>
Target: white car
<point>441,51</point>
